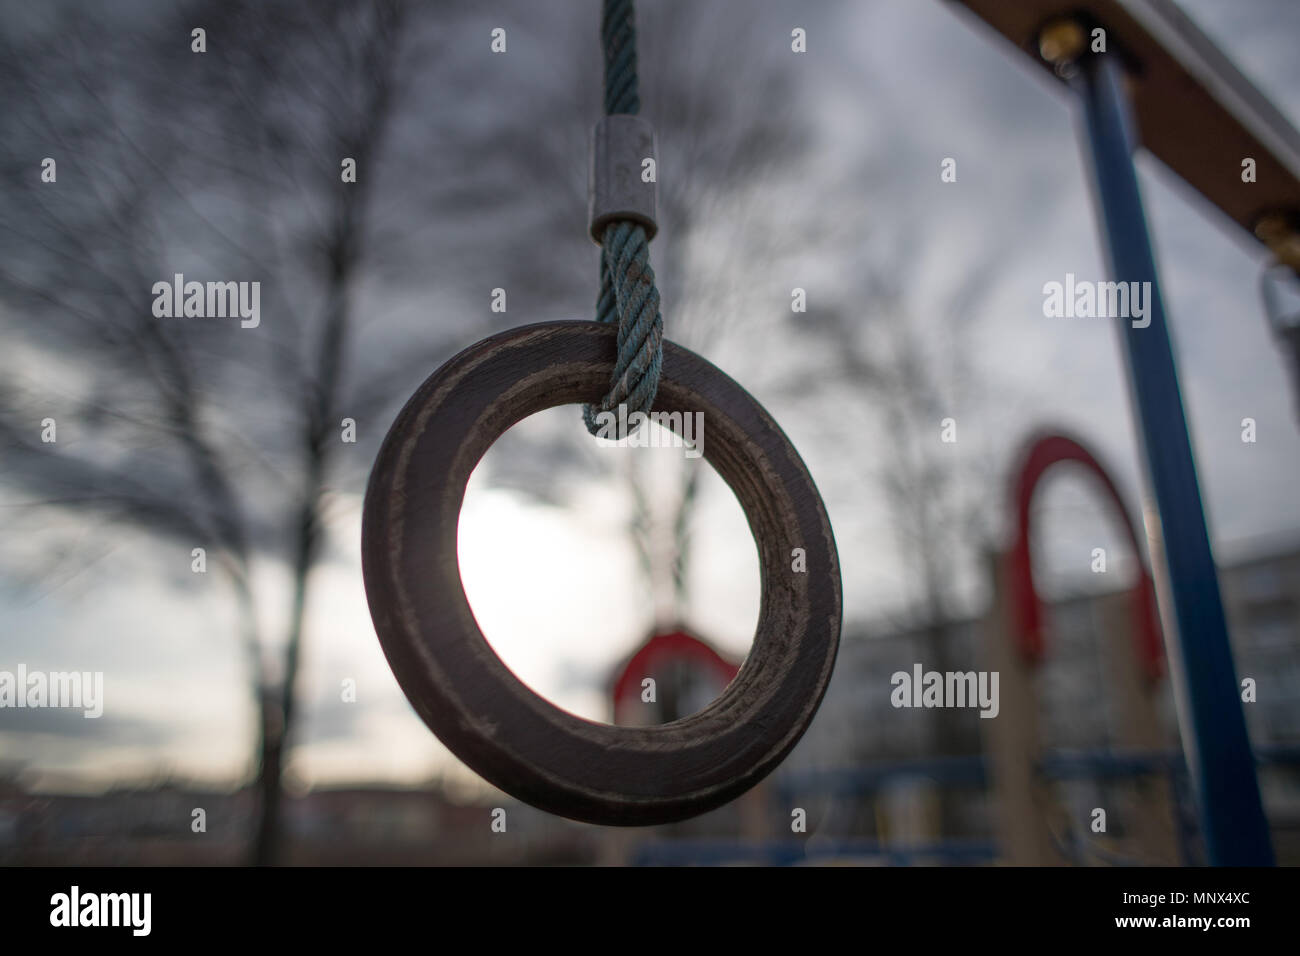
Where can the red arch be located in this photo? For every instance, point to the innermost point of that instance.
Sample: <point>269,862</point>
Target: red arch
<point>1042,453</point>
<point>662,647</point>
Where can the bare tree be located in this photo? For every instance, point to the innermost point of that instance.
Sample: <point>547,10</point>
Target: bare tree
<point>909,381</point>
<point>225,161</point>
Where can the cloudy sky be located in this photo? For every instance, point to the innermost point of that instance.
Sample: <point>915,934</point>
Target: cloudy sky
<point>888,89</point>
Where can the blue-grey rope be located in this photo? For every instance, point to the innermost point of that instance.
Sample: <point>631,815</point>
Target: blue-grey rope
<point>628,295</point>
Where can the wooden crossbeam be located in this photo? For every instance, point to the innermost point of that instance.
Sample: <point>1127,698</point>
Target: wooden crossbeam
<point>1195,111</point>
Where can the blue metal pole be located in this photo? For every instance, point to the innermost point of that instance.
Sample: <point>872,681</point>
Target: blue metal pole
<point>1218,749</point>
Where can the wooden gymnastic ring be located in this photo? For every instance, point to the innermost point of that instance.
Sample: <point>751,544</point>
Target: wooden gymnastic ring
<point>514,738</point>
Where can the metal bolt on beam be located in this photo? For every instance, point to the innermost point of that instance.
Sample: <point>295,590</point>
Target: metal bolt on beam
<point>1280,233</point>
<point>1062,41</point>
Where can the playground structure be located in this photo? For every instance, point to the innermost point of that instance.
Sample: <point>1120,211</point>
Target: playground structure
<point>1145,75</point>
<point>1029,822</point>
<point>1032,824</point>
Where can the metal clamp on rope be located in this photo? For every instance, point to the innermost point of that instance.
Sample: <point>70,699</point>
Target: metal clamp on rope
<point>623,174</point>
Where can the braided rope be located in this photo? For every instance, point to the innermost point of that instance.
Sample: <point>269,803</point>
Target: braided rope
<point>628,295</point>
